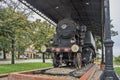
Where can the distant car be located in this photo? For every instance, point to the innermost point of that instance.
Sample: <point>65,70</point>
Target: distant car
<point>23,57</point>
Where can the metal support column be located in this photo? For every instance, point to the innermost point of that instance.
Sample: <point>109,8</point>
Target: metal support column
<point>102,61</point>
<point>102,33</point>
<point>108,73</point>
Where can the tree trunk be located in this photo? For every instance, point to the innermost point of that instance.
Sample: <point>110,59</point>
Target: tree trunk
<point>13,50</point>
<point>19,54</point>
<point>4,54</point>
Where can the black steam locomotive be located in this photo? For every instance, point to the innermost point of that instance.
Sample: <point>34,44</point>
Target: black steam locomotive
<point>72,45</point>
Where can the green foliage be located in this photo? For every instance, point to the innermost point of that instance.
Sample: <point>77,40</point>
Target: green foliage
<point>7,68</point>
<point>113,32</point>
<point>12,23</point>
<point>4,43</point>
<point>117,60</point>
<point>98,42</point>
<point>98,38</point>
<point>40,33</point>
<point>117,69</point>
<point>15,26</point>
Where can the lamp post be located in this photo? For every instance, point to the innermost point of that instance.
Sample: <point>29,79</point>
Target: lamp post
<point>108,73</point>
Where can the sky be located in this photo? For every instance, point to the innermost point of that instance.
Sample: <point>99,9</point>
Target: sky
<point>115,16</point>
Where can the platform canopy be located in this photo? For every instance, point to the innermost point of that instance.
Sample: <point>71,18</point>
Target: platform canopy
<point>87,12</point>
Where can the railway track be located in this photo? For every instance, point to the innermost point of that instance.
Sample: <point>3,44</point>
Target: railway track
<point>63,73</point>
<point>69,73</point>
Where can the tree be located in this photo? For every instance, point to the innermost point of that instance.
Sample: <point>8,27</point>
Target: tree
<point>11,21</point>
<point>22,41</point>
<point>40,33</point>
<point>4,45</point>
<point>117,60</point>
<point>98,38</point>
<point>113,32</point>
<point>17,6</point>
<point>22,33</point>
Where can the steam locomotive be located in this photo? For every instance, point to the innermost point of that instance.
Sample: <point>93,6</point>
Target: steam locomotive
<point>72,45</point>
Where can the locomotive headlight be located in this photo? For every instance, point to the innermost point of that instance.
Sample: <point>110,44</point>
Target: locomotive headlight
<point>43,48</point>
<point>75,48</point>
<point>64,26</point>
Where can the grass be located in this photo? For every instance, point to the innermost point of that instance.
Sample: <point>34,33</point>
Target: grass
<point>117,69</point>
<point>8,68</point>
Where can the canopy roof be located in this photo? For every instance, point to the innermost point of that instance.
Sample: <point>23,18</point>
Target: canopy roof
<point>87,12</point>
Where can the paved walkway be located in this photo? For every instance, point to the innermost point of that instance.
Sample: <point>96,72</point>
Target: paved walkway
<point>116,65</point>
<point>6,78</point>
<point>26,61</point>
<point>97,74</point>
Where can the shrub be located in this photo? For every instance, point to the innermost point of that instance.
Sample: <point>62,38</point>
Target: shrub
<point>117,60</point>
